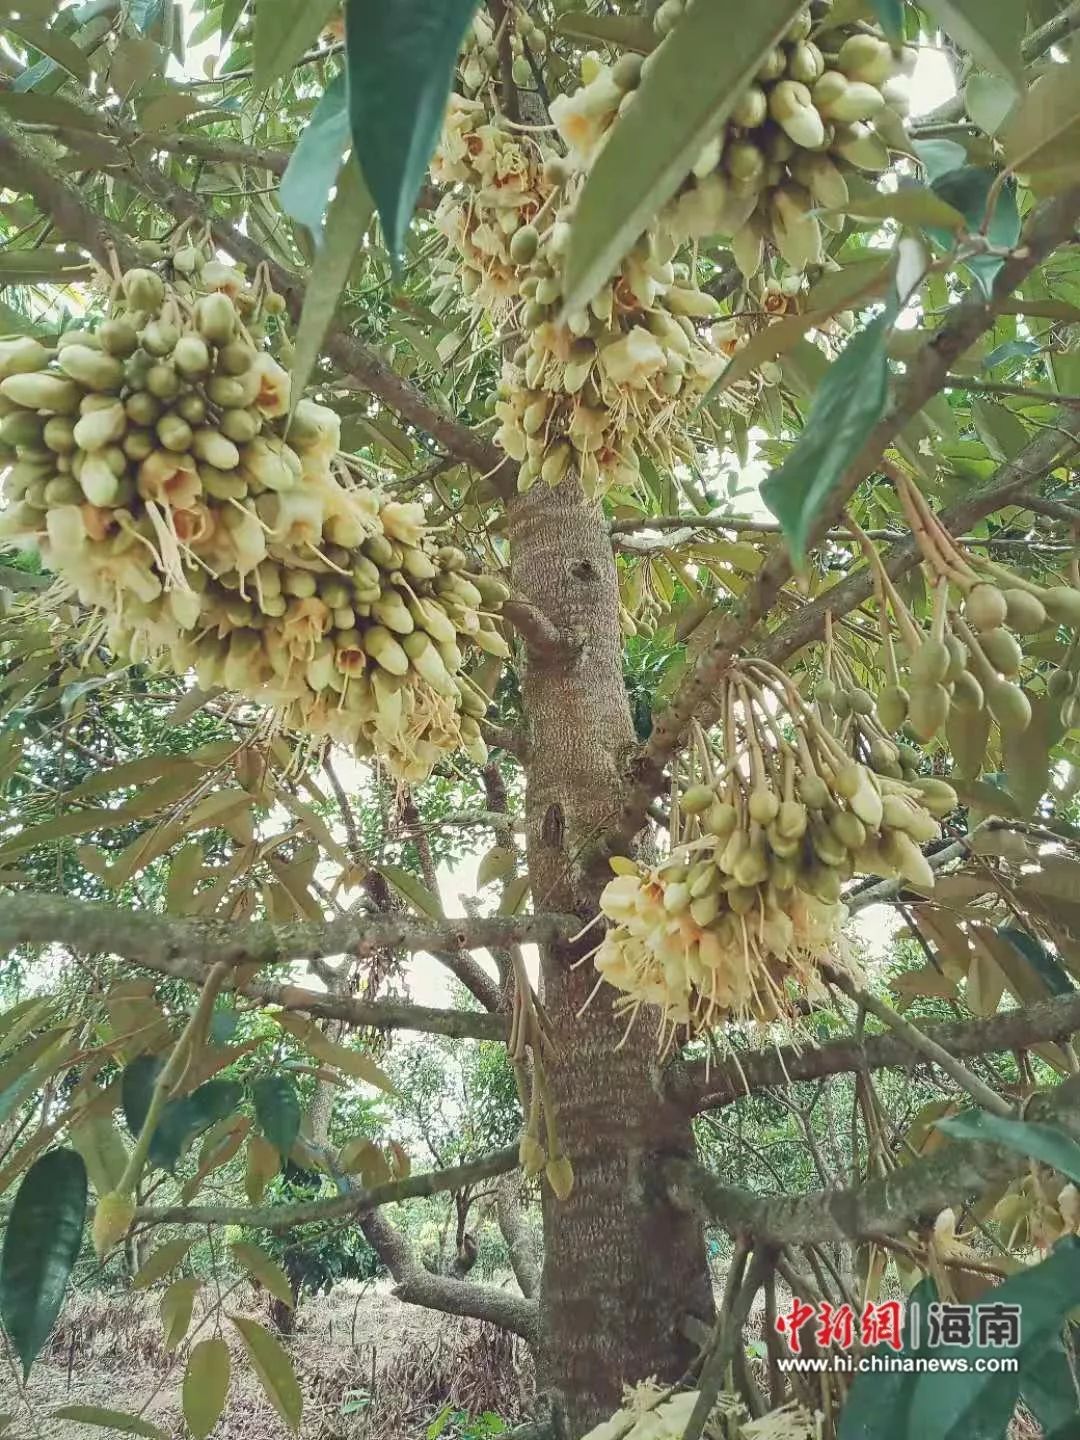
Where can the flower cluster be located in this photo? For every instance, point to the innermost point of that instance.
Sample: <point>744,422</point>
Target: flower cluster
<point>155,464</point>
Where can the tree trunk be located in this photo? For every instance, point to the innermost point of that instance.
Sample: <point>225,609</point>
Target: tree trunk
<point>621,1267</point>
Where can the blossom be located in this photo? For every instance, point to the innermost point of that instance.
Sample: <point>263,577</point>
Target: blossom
<point>272,399</point>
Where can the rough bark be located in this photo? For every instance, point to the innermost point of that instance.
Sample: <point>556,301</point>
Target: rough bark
<point>621,1265</point>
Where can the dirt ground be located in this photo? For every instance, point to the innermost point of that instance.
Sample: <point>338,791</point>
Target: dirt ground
<point>370,1368</point>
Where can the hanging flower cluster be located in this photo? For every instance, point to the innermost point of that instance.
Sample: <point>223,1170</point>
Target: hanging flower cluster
<point>155,463</point>
<point>746,911</point>
<point>585,393</point>
<point>971,657</point>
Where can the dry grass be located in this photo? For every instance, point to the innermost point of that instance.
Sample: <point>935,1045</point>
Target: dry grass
<point>370,1368</point>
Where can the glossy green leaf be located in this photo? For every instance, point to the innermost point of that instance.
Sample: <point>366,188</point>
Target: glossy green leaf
<point>277,1111</point>
<point>971,190</point>
<point>164,1259</point>
<point>1045,965</point>
<point>346,225</point>
<point>988,99</point>
<point>1040,1142</point>
<point>885,1393</point>
<point>400,61</point>
<point>137,1089</point>
<point>41,1245</point>
<point>176,1308</point>
<point>264,1269</point>
<point>283,31</point>
<point>991,30</point>
<point>680,104</point>
<point>890,16</point>
<point>955,1404</point>
<point>206,1385</point>
<point>118,1420</point>
<point>315,162</point>
<point>274,1369</point>
<point>413,891</point>
<point>53,43</point>
<point>848,404</point>
<point>182,1120</point>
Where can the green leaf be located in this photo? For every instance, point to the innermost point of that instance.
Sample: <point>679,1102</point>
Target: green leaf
<point>1048,1387</point>
<point>118,1420</point>
<point>970,190</point>
<point>277,1111</point>
<point>411,890</point>
<point>1039,1142</point>
<point>680,105</point>
<point>54,44</point>
<point>938,157</point>
<point>1039,959</point>
<point>515,895</point>
<point>400,62</point>
<point>911,205</point>
<point>165,1258</point>
<point>48,110</point>
<point>137,1089</point>
<point>988,99</point>
<point>283,31</point>
<point>176,1307</point>
<point>267,1271</point>
<point>989,30</point>
<point>495,865</point>
<point>103,1151</point>
<point>206,1384</point>
<point>848,404</point>
<point>314,164</point>
<point>41,1245</point>
<point>342,1057</point>
<point>890,16</point>
<point>958,1404</point>
<point>274,1369</point>
<point>624,32</point>
<point>1042,135</point>
<point>182,1120</point>
<point>346,225</point>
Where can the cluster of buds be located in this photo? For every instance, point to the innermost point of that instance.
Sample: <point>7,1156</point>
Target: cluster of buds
<point>495,185</point>
<point>746,911</point>
<point>829,99</point>
<point>157,465</point>
<point>480,66</point>
<point>972,655</point>
<point>586,392</point>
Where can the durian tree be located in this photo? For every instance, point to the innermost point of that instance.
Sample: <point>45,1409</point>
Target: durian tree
<point>383,401</point>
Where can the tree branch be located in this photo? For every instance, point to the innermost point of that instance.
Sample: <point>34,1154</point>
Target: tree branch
<point>519,1242</point>
<point>334,1207</point>
<point>882,1207</point>
<point>417,1286</point>
<point>153,940</point>
<point>687,526</point>
<point>1050,448</point>
<point>712,1085</point>
<point>1051,225</point>
<point>25,168</point>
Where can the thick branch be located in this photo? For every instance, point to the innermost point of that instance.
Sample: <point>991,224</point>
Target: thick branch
<point>1051,225</point>
<point>888,1206</point>
<point>418,1286</point>
<point>519,1242</point>
<point>25,168</point>
<point>713,1085</point>
<point>153,940</point>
